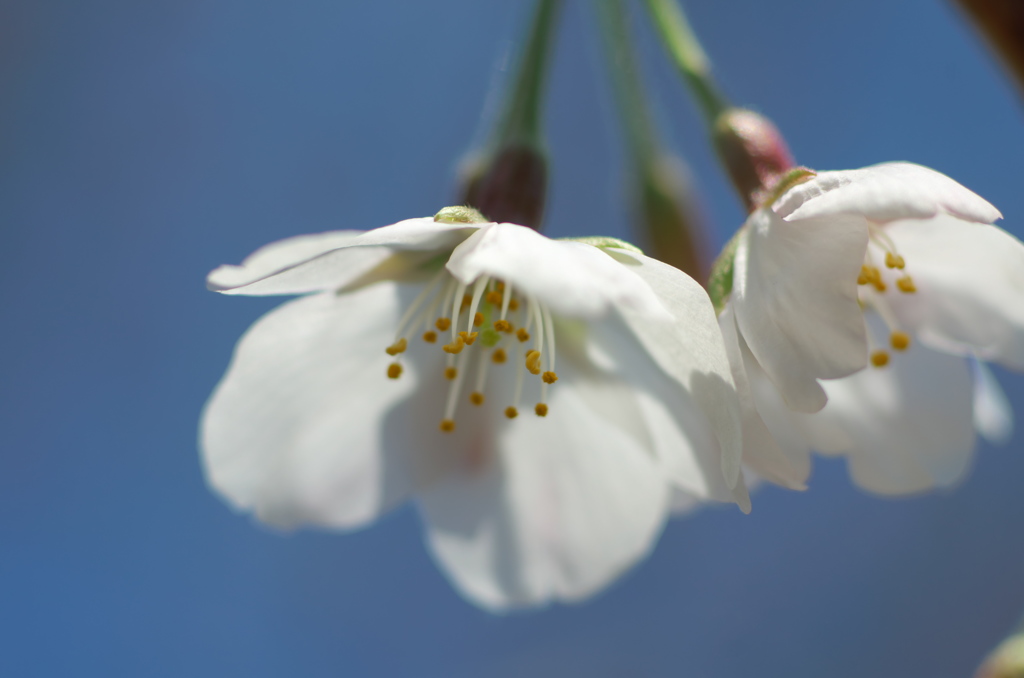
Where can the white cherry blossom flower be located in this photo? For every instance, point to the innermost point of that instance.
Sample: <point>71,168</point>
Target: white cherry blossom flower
<point>547,403</point>
<point>895,267</point>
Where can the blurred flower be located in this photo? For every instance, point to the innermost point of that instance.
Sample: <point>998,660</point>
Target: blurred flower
<point>1007,660</point>
<point>425,365</point>
<point>853,268</point>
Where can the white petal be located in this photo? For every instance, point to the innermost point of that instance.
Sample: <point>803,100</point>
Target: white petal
<point>297,430</point>
<point>795,297</point>
<point>685,445</point>
<point>786,461</point>
<point>335,260</point>
<point>676,428</point>
<point>993,416</point>
<point>570,504</point>
<point>886,192</point>
<point>277,256</point>
<point>910,423</point>
<point>688,347</point>
<point>570,278</point>
<point>970,287</point>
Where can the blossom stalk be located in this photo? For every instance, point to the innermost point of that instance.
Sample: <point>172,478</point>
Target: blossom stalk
<point>749,146</point>
<point>507,182</point>
<point>664,203</point>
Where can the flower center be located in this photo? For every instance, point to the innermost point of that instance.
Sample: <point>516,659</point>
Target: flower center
<point>873,289</point>
<point>486,325</point>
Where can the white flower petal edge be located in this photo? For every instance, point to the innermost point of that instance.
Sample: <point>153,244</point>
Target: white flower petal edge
<point>276,257</point>
<point>795,300</point>
<point>335,259</point>
<point>884,192</point>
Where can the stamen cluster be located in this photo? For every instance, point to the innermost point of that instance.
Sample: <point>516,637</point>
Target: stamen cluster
<point>497,321</point>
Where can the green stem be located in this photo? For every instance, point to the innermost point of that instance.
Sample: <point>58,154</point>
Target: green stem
<point>629,93</point>
<point>664,215</point>
<point>522,116</point>
<point>688,55</point>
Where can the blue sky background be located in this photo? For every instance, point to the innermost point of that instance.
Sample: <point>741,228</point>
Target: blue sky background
<point>144,143</point>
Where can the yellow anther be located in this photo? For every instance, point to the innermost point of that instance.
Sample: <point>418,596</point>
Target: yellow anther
<point>870,275</point>
<point>397,347</point>
<point>511,412</point>
<point>430,337</point>
<point>549,377</point>
<point>533,361</point>
<point>541,409</point>
<point>502,326</point>
<point>476,398</point>
<point>467,299</point>
<point>478,319</point>
<point>394,371</point>
<point>468,337</point>
<point>450,373</point>
<point>443,323</point>
<point>522,334</point>
<point>906,284</point>
<point>894,260</point>
<point>447,425</point>
<point>499,286</point>
<point>879,358</point>
<point>513,305</point>
<point>900,341</point>
<point>493,298</point>
<point>499,356</point>
<point>455,346</point>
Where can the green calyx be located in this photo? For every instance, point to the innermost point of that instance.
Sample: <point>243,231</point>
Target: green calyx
<point>720,280</point>
<point>459,214</point>
<point>793,177</point>
<point>605,242</point>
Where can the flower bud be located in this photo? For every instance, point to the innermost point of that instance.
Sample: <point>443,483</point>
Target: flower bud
<point>508,186</point>
<point>753,152</point>
<point>666,211</point>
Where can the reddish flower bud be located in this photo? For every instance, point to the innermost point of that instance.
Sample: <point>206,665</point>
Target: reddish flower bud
<point>753,152</point>
<point>508,186</point>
